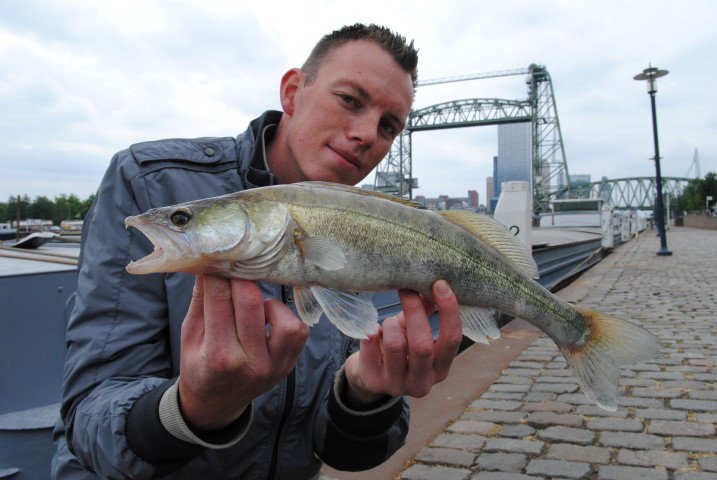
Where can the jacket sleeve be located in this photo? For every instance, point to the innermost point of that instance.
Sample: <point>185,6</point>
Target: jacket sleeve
<point>123,332</point>
<point>353,440</point>
<point>117,333</point>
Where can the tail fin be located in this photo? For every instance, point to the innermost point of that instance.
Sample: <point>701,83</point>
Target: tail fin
<point>597,358</point>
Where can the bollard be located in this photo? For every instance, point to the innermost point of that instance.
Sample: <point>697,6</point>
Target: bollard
<point>608,236</point>
<point>625,228</point>
<point>515,210</point>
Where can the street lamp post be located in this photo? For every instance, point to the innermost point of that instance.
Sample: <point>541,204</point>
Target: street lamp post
<point>651,74</point>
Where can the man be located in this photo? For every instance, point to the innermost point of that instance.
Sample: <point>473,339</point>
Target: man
<point>224,398</point>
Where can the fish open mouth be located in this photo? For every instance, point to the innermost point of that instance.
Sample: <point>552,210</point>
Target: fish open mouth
<point>160,258</point>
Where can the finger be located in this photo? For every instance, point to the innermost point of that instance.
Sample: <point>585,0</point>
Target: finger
<point>450,332</point>
<point>370,358</point>
<point>420,342</point>
<point>193,325</point>
<point>218,311</point>
<point>287,334</point>
<point>249,317</point>
<point>395,351</point>
<point>364,369</point>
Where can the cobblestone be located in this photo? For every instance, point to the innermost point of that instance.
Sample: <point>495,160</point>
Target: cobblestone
<point>695,405</point>
<point>446,456</point>
<point>694,476</point>
<point>454,440</point>
<point>616,424</point>
<point>506,462</point>
<point>511,445</point>
<point>648,458</point>
<point>708,464</point>
<point>692,444</point>
<point>504,476</point>
<point>567,434</point>
<point>666,427</point>
<point>541,419</point>
<point>576,453</point>
<point>534,422</point>
<point>558,468</point>
<point>656,414</point>
<point>557,407</point>
<point>478,428</point>
<point>428,472</point>
<point>517,431</point>
<point>631,473</point>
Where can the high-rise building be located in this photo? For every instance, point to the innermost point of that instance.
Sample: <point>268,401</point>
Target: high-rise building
<point>514,156</point>
<point>489,189</point>
<point>473,199</point>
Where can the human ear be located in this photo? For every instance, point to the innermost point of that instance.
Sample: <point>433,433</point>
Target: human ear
<point>290,84</point>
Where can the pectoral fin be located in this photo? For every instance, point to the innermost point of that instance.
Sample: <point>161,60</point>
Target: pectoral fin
<point>322,252</point>
<point>352,313</point>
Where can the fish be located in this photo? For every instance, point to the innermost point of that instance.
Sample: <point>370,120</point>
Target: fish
<point>336,244</point>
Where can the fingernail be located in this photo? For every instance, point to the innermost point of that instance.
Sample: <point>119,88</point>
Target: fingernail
<point>442,287</point>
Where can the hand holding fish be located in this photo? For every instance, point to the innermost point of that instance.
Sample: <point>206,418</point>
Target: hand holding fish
<point>401,358</point>
<point>227,358</point>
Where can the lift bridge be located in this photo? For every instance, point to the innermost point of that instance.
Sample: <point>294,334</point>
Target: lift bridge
<point>549,166</point>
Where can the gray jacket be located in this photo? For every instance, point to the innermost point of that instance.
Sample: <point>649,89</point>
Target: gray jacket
<point>123,340</point>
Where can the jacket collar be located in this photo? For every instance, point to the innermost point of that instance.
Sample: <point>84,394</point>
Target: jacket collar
<point>262,130</point>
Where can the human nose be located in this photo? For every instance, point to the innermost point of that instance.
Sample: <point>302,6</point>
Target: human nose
<point>364,130</point>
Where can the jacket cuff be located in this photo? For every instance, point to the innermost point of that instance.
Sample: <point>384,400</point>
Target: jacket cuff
<point>378,419</point>
<point>172,420</point>
<point>146,436</point>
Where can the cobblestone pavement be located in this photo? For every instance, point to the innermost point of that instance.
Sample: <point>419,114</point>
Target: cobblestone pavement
<point>534,423</point>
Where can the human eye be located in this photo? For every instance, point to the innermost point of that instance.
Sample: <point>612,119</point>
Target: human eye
<point>388,128</point>
<point>348,99</point>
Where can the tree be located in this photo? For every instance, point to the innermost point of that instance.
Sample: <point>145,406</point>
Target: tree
<point>63,207</point>
<point>43,208</point>
<point>694,196</point>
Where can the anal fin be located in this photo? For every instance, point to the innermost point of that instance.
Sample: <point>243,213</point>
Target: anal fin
<point>479,323</point>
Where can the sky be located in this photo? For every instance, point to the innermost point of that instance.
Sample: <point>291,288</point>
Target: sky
<point>81,80</point>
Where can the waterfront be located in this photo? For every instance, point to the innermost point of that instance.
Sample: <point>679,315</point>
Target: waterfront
<point>522,416</point>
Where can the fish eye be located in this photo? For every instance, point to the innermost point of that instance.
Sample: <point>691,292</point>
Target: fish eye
<point>180,217</point>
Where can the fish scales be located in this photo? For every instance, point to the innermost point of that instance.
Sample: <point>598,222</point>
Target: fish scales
<point>330,241</point>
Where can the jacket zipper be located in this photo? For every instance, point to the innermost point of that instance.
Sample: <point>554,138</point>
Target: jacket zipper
<point>288,402</point>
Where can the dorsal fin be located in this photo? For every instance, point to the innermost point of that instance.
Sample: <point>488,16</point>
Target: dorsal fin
<point>495,235</point>
<point>362,191</point>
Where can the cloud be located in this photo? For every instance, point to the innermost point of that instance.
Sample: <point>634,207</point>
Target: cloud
<point>80,81</point>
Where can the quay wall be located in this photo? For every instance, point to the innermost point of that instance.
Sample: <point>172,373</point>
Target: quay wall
<point>701,221</point>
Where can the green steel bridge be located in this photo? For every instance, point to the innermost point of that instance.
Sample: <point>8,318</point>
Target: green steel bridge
<point>549,165</point>
<point>637,192</point>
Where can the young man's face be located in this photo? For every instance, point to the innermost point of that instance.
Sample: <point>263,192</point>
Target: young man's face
<point>342,124</point>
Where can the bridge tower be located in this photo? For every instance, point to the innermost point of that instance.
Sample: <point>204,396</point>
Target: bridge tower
<point>550,172</point>
<point>550,168</point>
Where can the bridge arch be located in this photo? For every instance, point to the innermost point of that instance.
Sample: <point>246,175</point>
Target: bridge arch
<point>549,167</point>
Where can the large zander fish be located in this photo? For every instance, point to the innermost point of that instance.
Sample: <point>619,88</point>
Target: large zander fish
<point>331,242</point>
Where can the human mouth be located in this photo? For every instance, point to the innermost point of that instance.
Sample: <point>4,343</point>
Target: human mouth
<point>347,157</point>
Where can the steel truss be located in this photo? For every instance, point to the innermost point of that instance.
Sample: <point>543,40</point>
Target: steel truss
<point>550,171</point>
<point>636,192</point>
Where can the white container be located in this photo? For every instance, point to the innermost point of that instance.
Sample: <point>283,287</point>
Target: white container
<point>515,210</point>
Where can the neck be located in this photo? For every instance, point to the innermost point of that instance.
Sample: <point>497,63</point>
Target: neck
<point>278,157</point>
